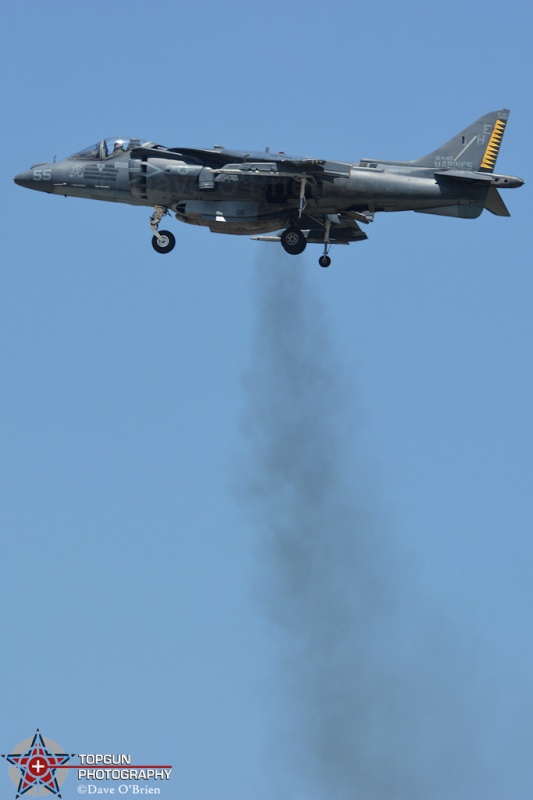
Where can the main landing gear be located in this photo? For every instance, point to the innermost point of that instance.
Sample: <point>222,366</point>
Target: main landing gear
<point>294,241</point>
<point>162,241</point>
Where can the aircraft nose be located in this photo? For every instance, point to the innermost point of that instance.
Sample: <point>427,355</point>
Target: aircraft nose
<point>24,179</point>
<point>38,177</point>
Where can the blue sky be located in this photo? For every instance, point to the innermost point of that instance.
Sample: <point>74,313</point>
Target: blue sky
<point>148,607</point>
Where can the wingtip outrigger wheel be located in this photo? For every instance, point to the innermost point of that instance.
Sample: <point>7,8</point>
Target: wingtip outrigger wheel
<point>162,241</point>
<point>324,259</point>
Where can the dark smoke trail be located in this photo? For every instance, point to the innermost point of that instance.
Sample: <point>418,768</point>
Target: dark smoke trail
<point>328,576</point>
<point>377,702</point>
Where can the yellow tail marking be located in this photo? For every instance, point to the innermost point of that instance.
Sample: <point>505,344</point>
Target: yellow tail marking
<point>493,147</point>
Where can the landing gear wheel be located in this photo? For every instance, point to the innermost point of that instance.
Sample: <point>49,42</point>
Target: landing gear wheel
<point>293,241</point>
<point>165,243</point>
<point>324,261</point>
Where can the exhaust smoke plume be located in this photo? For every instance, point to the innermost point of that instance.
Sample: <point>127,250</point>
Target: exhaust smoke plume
<point>377,701</point>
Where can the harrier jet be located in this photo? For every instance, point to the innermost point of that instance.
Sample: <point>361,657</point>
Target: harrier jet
<point>294,200</point>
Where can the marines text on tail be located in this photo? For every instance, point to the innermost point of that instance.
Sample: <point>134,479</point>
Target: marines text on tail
<point>304,199</point>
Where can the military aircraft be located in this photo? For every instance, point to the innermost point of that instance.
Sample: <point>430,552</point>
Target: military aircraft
<point>304,199</point>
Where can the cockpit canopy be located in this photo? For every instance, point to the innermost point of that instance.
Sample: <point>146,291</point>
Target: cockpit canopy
<point>109,148</point>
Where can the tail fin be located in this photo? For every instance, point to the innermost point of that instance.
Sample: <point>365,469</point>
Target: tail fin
<point>495,204</point>
<point>475,148</point>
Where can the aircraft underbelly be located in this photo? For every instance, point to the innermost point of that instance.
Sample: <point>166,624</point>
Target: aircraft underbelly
<point>230,216</point>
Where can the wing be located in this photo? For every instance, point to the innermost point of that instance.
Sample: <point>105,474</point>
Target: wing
<point>236,160</point>
<point>343,229</point>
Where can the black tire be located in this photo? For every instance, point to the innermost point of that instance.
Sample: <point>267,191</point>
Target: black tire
<point>324,261</point>
<point>165,246</point>
<point>293,241</point>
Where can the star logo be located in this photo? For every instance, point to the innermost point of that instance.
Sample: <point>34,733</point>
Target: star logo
<point>36,765</point>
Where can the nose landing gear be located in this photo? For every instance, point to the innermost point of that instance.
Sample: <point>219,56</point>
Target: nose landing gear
<point>162,241</point>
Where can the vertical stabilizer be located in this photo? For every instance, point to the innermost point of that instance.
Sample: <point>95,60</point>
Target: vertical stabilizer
<point>493,148</point>
<point>475,148</point>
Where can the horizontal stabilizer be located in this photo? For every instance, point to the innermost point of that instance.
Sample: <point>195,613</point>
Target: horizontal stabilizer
<point>465,175</point>
<point>495,204</point>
